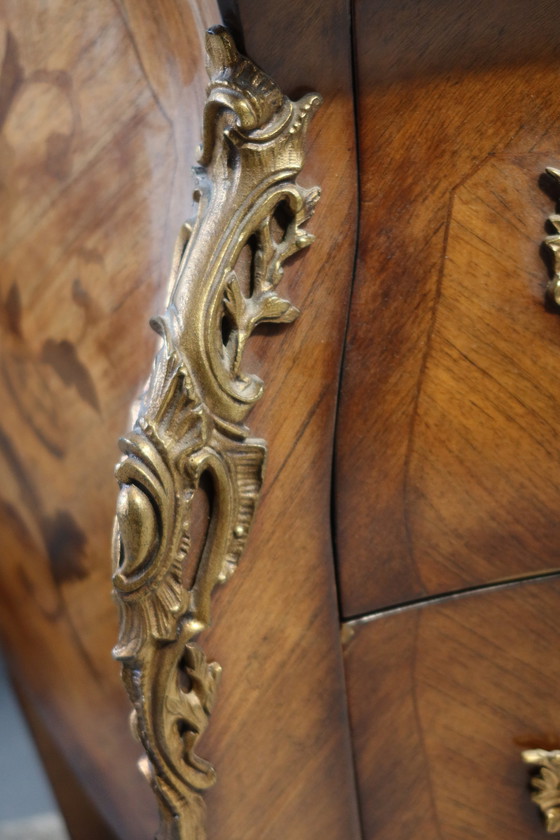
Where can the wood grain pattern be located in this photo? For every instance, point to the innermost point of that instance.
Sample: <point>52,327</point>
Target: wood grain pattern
<point>100,108</point>
<point>447,452</point>
<point>443,698</point>
<point>83,268</point>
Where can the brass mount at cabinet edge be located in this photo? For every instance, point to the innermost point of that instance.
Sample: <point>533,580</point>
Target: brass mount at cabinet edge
<point>191,419</point>
<point>552,243</point>
<point>546,785</point>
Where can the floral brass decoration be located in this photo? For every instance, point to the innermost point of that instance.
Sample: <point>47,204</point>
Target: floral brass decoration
<point>226,270</point>
<point>552,244</point>
<point>546,784</point>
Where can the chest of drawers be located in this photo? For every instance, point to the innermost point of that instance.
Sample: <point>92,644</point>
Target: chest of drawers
<point>389,641</point>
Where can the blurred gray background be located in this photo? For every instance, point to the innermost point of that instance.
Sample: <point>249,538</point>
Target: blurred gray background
<point>28,810</point>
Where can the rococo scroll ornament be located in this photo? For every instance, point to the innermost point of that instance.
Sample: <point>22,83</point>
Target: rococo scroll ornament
<point>191,419</point>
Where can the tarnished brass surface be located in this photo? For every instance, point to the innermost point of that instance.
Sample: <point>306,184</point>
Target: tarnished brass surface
<point>190,420</point>
<point>552,243</point>
<point>546,784</point>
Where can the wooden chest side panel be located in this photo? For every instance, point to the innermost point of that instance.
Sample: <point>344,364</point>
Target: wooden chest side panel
<point>100,112</point>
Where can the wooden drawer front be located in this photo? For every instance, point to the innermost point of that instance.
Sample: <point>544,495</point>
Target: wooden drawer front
<point>448,453</point>
<point>442,699</point>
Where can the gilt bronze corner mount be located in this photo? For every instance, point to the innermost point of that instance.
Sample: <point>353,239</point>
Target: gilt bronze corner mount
<point>552,243</point>
<point>191,419</point>
<point>546,785</point>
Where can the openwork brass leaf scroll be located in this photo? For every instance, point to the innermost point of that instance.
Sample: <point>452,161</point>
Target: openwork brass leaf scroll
<point>190,422</point>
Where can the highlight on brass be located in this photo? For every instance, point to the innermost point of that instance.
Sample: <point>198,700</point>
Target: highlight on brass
<point>546,784</point>
<point>190,427</point>
<point>552,244</point>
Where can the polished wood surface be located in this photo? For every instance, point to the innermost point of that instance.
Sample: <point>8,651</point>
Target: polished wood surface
<point>447,468</point>
<point>101,122</point>
<point>443,698</point>
<point>100,110</point>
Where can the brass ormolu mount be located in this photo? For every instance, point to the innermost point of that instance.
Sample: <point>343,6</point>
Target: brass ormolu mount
<point>191,419</point>
<point>546,785</point>
<point>552,243</point>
